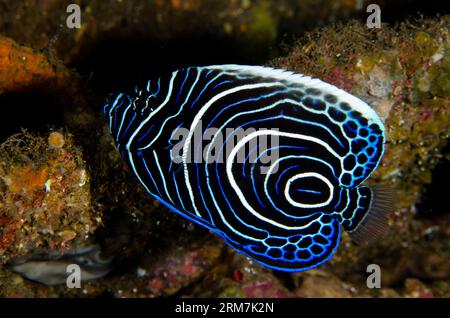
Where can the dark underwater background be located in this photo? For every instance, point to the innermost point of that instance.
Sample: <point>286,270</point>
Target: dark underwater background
<point>63,185</point>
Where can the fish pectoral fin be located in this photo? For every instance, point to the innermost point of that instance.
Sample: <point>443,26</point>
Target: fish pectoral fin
<point>366,218</point>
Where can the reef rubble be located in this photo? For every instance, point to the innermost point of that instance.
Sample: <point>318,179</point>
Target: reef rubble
<point>65,185</point>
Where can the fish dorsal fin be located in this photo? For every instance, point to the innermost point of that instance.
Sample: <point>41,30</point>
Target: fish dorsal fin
<point>302,81</point>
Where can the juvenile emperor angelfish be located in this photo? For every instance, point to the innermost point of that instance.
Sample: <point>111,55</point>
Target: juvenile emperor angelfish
<point>181,135</point>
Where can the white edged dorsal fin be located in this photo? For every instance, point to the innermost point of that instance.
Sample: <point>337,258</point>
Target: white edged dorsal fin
<point>293,78</point>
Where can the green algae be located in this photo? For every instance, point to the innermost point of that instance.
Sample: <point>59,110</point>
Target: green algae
<point>263,26</point>
<point>403,73</point>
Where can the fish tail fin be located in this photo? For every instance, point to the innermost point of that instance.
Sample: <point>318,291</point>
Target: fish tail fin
<point>369,220</point>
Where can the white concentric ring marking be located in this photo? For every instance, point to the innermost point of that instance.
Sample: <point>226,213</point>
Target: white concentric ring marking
<point>308,175</point>
<point>275,164</point>
<point>235,186</point>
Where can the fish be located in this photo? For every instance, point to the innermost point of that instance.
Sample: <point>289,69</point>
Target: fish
<point>51,268</point>
<point>286,213</point>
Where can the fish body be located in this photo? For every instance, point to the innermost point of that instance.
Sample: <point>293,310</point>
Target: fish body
<point>286,213</point>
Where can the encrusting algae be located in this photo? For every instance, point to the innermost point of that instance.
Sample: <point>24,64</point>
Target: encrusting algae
<point>22,68</point>
<point>45,194</point>
<point>404,74</point>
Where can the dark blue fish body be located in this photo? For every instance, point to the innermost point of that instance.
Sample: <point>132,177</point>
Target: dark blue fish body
<point>289,218</point>
<point>52,268</point>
